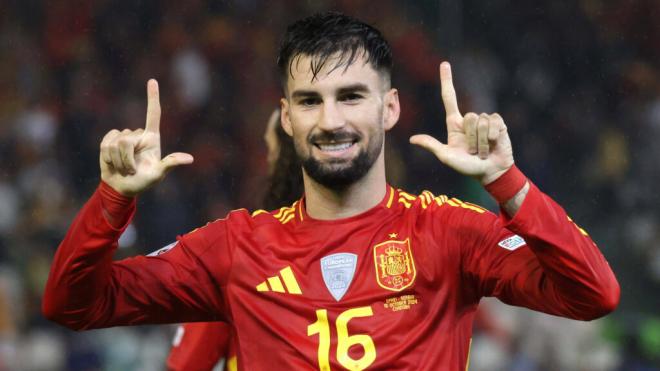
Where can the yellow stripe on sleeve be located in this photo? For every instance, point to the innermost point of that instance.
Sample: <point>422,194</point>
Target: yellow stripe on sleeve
<point>279,213</point>
<point>257,212</point>
<point>407,196</point>
<point>288,218</point>
<point>404,202</point>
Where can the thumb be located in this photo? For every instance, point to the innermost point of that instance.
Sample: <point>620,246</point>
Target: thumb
<point>175,159</point>
<point>432,145</point>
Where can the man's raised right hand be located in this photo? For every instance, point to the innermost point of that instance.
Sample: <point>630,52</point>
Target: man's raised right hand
<point>130,159</point>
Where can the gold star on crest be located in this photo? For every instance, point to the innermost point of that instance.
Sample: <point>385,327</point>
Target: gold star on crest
<point>392,235</point>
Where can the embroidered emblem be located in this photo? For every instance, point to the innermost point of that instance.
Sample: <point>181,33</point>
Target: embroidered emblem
<point>163,250</point>
<point>512,243</point>
<point>338,271</point>
<point>395,266</point>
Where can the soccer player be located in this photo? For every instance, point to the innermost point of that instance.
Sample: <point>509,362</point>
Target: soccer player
<point>202,345</point>
<point>356,274</point>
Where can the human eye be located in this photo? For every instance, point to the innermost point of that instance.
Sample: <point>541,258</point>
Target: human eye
<point>351,97</point>
<point>309,102</point>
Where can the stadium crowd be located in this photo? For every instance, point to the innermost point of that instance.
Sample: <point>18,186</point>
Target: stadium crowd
<point>578,84</point>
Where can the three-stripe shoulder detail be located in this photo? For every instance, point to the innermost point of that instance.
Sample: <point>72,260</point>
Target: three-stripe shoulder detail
<point>426,199</point>
<point>283,215</point>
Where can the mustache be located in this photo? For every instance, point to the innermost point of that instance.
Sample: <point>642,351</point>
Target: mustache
<point>334,136</point>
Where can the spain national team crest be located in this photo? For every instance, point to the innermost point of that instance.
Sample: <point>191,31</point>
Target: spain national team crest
<point>395,266</point>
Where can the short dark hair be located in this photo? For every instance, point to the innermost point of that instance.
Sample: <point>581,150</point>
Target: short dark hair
<point>323,35</point>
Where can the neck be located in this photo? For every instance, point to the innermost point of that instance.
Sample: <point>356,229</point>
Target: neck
<point>327,204</point>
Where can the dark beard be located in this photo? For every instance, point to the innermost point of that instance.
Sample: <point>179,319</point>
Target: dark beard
<point>337,175</point>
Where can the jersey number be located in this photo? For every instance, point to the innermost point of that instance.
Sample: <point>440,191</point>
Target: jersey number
<point>344,341</point>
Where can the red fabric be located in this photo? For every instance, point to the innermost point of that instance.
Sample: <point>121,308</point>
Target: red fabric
<point>229,270</point>
<point>115,205</point>
<point>507,185</point>
<point>199,346</point>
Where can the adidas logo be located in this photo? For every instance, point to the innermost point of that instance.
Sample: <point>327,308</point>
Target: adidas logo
<point>288,283</point>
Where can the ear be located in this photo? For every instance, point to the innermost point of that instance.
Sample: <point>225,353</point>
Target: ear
<point>391,109</point>
<point>284,116</point>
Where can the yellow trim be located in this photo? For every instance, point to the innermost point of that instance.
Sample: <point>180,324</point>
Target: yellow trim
<point>232,364</point>
<point>389,202</point>
<point>405,203</point>
<point>300,210</point>
<point>279,213</point>
<point>469,206</point>
<point>452,203</point>
<point>429,196</point>
<point>467,362</point>
<point>262,287</point>
<point>475,205</point>
<point>286,214</point>
<point>275,284</point>
<point>407,195</point>
<point>584,233</point>
<point>260,211</point>
<point>439,200</point>
<point>290,281</point>
<point>288,218</point>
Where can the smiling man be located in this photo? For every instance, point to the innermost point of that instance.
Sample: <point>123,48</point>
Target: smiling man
<point>337,108</point>
<point>355,275</point>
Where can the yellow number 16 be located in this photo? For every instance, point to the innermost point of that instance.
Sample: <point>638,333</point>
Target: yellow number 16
<point>344,341</point>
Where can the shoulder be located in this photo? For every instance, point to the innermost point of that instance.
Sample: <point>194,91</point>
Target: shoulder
<point>283,215</point>
<point>446,215</point>
<point>426,203</point>
<point>242,220</point>
<point>245,219</point>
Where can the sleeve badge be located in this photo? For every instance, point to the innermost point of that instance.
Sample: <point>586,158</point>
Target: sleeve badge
<point>512,243</point>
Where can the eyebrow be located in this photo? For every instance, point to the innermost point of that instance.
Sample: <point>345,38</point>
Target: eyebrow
<point>304,94</point>
<point>353,88</point>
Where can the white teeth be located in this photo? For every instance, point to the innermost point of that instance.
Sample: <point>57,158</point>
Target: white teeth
<point>335,146</point>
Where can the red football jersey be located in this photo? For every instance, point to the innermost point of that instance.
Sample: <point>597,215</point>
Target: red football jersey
<point>200,346</point>
<point>395,287</point>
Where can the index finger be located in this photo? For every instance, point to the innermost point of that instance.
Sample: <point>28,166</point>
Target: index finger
<point>448,92</point>
<point>153,107</point>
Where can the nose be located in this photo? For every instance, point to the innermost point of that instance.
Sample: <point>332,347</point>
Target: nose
<point>331,117</point>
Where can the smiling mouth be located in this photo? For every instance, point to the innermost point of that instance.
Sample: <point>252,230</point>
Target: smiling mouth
<point>334,147</point>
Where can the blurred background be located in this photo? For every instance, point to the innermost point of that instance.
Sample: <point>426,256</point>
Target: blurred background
<point>577,82</point>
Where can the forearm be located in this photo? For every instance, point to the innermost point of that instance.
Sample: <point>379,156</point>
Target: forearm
<point>575,280</point>
<point>86,289</point>
<point>81,269</point>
